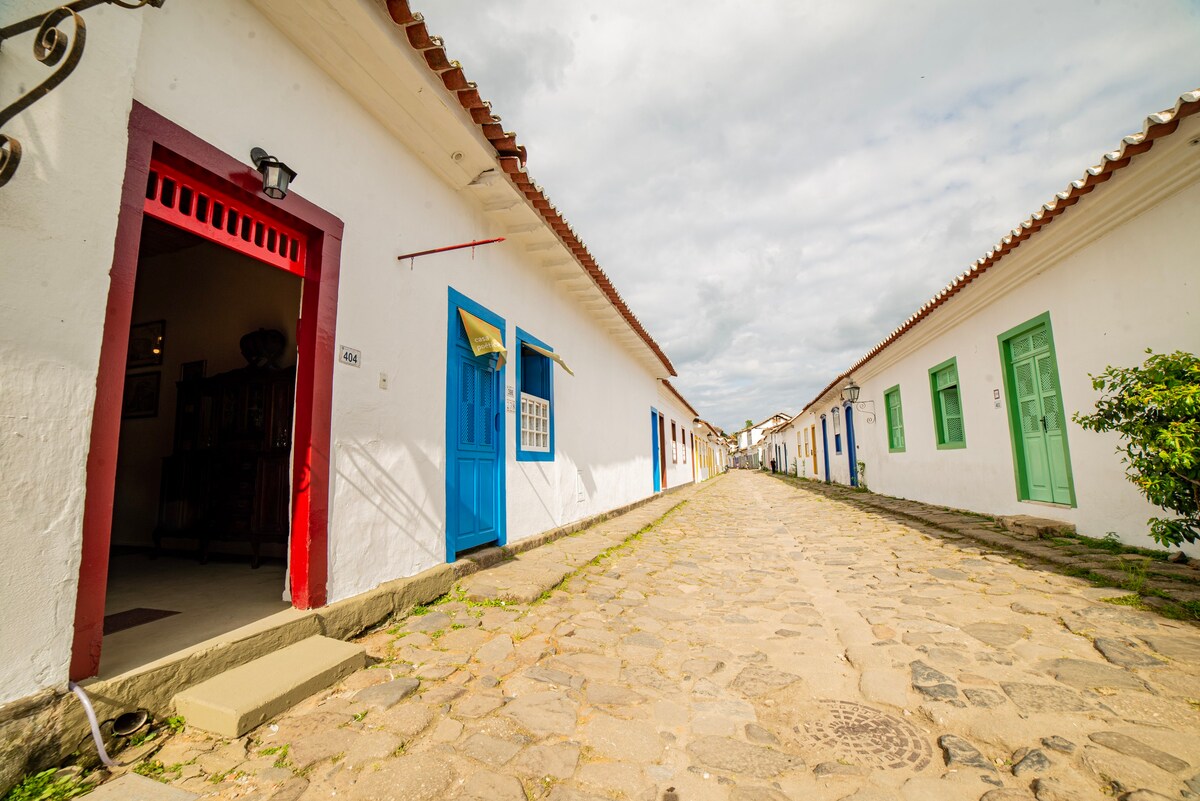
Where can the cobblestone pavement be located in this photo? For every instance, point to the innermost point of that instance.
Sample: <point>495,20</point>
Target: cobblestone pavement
<point>761,643</point>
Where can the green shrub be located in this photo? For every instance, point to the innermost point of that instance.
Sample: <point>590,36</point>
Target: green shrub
<point>1156,410</point>
<point>47,786</point>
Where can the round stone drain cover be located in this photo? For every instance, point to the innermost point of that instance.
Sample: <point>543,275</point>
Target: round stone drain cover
<point>867,736</point>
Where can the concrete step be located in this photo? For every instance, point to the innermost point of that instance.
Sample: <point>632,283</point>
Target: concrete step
<point>234,702</point>
<point>1034,528</point>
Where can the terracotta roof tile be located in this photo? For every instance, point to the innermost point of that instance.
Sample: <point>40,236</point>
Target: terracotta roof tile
<point>512,156</point>
<point>682,399</point>
<point>1154,127</point>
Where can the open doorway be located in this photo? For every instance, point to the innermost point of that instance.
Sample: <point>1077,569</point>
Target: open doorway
<point>174,177</point>
<point>201,504</point>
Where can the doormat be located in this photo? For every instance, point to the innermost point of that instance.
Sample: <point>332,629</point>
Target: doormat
<point>119,621</point>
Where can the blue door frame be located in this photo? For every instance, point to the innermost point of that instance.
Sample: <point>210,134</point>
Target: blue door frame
<point>825,446</point>
<point>654,446</point>
<point>476,508</point>
<point>850,449</point>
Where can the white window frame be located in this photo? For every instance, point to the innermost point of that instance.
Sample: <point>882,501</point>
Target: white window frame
<point>535,423</point>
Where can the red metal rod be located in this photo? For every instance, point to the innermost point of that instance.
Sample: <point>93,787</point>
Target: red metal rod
<point>450,247</point>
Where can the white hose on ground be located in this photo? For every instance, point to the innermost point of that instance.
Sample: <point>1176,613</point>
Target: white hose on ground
<point>91,716</point>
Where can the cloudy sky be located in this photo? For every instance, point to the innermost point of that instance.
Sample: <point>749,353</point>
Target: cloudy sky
<point>775,185</point>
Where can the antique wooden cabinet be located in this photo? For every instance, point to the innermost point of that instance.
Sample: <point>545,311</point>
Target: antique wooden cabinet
<point>228,475</point>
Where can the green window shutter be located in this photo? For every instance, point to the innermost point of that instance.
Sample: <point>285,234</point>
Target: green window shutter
<point>895,420</point>
<point>952,423</point>
<point>947,405</point>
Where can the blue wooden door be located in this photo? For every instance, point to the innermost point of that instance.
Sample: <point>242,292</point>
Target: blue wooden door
<point>825,447</point>
<point>851,447</point>
<point>475,439</point>
<point>654,446</point>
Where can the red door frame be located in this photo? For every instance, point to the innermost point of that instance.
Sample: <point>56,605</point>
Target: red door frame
<point>152,135</point>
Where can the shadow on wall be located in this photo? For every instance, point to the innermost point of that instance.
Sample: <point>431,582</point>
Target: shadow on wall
<point>589,480</point>
<point>358,469</point>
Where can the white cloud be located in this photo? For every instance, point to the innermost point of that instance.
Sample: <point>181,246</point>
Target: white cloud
<point>774,186</point>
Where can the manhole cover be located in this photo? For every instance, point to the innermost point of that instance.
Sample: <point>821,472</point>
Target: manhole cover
<point>867,736</point>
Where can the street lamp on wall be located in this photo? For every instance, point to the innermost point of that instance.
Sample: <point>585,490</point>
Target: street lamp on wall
<point>850,394</point>
<point>275,174</point>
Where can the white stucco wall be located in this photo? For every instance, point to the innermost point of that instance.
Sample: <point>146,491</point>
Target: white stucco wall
<point>58,218</point>
<point>388,506</point>
<point>1131,287</point>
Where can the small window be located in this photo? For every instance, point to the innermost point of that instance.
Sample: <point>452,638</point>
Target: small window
<point>535,403</point>
<point>895,419</point>
<point>674,444</point>
<point>947,405</point>
<point>837,429</point>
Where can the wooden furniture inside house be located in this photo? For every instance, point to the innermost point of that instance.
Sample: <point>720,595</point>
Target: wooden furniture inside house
<point>227,478</point>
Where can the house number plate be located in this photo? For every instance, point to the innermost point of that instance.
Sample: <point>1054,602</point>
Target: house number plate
<point>350,356</point>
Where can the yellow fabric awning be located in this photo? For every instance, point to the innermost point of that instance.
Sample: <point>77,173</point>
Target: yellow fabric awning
<point>549,354</point>
<point>484,337</point>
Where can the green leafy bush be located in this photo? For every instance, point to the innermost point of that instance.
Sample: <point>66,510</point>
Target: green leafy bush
<point>47,786</point>
<point>1156,410</point>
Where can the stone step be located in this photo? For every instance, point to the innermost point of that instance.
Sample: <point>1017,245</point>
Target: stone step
<point>234,702</point>
<point>1036,527</point>
<point>132,787</point>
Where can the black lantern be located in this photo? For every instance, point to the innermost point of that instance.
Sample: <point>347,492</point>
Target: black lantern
<point>275,174</point>
<point>850,392</point>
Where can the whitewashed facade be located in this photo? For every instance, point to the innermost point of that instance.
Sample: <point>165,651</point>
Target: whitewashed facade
<point>969,404</point>
<point>390,162</point>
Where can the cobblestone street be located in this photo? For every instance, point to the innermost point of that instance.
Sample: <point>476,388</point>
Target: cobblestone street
<point>760,643</point>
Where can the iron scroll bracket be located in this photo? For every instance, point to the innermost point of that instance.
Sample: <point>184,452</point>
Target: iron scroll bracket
<point>53,47</point>
<point>867,409</point>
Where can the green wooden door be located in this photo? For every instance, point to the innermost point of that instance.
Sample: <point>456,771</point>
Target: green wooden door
<point>1045,468</point>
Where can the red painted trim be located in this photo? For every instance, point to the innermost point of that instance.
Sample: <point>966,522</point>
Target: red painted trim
<point>197,204</point>
<point>152,136</point>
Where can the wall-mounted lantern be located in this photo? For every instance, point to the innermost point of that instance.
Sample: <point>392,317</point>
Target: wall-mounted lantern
<point>275,174</point>
<point>850,394</point>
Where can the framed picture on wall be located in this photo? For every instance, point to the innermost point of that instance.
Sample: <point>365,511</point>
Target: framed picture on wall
<point>141,395</point>
<point>190,371</point>
<point>146,344</point>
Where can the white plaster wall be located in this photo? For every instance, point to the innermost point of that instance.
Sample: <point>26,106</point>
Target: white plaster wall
<point>388,504</point>
<point>678,471</point>
<point>58,216</point>
<point>1134,288</point>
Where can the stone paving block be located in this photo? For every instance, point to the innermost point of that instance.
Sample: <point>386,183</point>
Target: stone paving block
<point>386,695</point>
<point>1124,744</point>
<point>132,787</point>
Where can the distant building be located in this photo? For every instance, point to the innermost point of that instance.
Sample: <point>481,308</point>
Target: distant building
<point>747,450</point>
<point>968,404</point>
